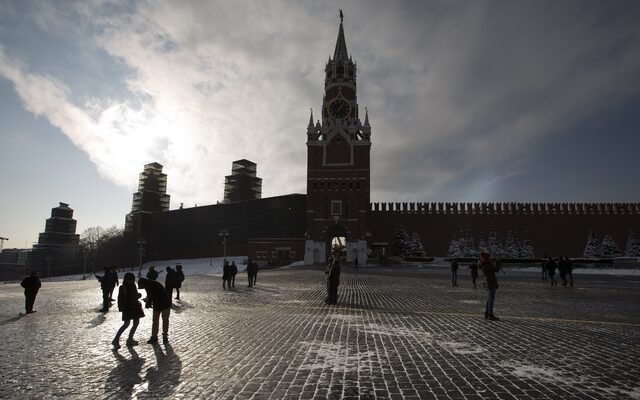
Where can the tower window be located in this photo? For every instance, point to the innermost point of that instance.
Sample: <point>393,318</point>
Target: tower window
<point>336,207</point>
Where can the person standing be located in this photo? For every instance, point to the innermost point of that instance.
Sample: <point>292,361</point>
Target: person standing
<point>170,282</point>
<point>490,284</point>
<point>161,303</point>
<point>105,286</point>
<point>152,274</point>
<point>333,281</point>
<point>454,272</point>
<point>473,267</point>
<point>113,281</point>
<point>234,272</point>
<point>250,271</point>
<point>355,263</point>
<point>569,266</point>
<point>31,285</point>
<point>551,271</point>
<point>179,280</point>
<point>130,308</point>
<point>562,270</point>
<point>226,275</point>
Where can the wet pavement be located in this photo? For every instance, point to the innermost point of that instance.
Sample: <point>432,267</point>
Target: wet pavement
<point>395,333</point>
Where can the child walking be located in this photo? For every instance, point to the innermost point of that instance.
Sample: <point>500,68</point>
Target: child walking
<point>130,308</point>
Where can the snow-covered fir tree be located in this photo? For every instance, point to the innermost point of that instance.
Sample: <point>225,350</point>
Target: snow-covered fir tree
<point>609,248</point>
<point>482,243</point>
<point>470,246</point>
<point>493,243</point>
<point>454,248</point>
<point>401,244</point>
<point>592,248</point>
<point>526,249</point>
<point>511,249</point>
<point>633,245</point>
<point>416,249</point>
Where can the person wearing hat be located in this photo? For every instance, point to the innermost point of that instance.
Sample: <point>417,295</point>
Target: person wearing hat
<point>130,308</point>
<point>490,283</point>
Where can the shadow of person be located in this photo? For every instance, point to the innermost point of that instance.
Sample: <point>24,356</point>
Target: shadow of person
<point>125,376</point>
<point>14,319</point>
<point>97,321</point>
<point>165,376</point>
<point>180,306</point>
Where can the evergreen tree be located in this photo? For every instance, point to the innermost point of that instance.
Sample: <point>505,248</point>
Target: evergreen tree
<point>510,246</point>
<point>470,247</point>
<point>482,243</point>
<point>592,248</point>
<point>401,245</point>
<point>526,250</point>
<point>416,247</point>
<point>609,248</point>
<point>633,245</point>
<point>493,243</point>
<point>453,247</point>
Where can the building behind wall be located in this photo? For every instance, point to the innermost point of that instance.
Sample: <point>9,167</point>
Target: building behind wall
<point>243,183</point>
<point>57,251</point>
<point>151,195</point>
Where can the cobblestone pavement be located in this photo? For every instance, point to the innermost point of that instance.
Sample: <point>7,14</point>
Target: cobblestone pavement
<point>396,333</point>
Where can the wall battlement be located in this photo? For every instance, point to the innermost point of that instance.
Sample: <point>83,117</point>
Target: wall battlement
<point>510,208</point>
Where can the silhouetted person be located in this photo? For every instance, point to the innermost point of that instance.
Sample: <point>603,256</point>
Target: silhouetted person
<point>252,272</point>
<point>569,267</point>
<point>543,268</point>
<point>179,280</point>
<point>234,272</point>
<point>490,283</point>
<point>31,285</point>
<point>473,267</point>
<point>113,281</point>
<point>454,272</point>
<point>130,308</point>
<point>105,286</point>
<point>226,275</point>
<point>333,281</point>
<point>355,264</point>
<point>152,273</point>
<point>551,271</point>
<point>562,270</point>
<point>170,282</point>
<point>161,303</point>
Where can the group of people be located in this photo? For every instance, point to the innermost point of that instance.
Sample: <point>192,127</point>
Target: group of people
<point>564,267</point>
<point>229,272</point>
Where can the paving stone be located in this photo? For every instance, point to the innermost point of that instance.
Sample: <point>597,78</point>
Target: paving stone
<point>396,333</point>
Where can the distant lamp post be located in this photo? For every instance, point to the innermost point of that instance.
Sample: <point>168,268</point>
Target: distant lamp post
<point>224,233</point>
<point>141,253</point>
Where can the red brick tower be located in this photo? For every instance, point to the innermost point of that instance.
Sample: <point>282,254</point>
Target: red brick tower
<point>338,164</point>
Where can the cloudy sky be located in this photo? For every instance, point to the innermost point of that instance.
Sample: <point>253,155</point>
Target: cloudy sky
<point>468,101</point>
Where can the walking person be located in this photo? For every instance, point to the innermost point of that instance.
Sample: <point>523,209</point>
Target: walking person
<point>234,272</point>
<point>473,267</point>
<point>31,285</point>
<point>179,280</point>
<point>490,284</point>
<point>551,271</point>
<point>569,266</point>
<point>454,272</point>
<point>130,308</point>
<point>333,281</point>
<point>562,270</point>
<point>250,271</point>
<point>161,304</point>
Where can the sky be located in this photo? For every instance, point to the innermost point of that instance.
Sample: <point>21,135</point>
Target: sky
<point>468,101</point>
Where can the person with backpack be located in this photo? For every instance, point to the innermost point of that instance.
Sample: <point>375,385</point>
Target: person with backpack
<point>130,308</point>
<point>490,283</point>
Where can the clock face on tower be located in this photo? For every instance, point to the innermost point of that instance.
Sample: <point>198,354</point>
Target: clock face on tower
<point>339,108</point>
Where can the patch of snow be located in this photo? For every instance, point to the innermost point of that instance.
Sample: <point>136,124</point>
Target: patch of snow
<point>337,357</point>
<point>535,372</point>
<point>462,347</point>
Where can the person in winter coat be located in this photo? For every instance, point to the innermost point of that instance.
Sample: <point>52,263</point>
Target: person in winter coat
<point>152,273</point>
<point>562,270</point>
<point>551,271</point>
<point>454,272</point>
<point>490,283</point>
<point>333,281</point>
<point>31,285</point>
<point>569,266</point>
<point>179,280</point>
<point>170,281</point>
<point>252,272</point>
<point>105,286</point>
<point>130,308</point>
<point>113,281</point>
<point>161,303</point>
<point>473,267</point>
<point>226,275</point>
<point>234,271</point>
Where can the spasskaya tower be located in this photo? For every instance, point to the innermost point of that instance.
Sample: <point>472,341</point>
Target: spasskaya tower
<point>338,173</point>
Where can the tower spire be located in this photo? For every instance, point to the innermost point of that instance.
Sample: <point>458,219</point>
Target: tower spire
<point>311,118</point>
<point>340,52</point>
<point>366,116</point>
